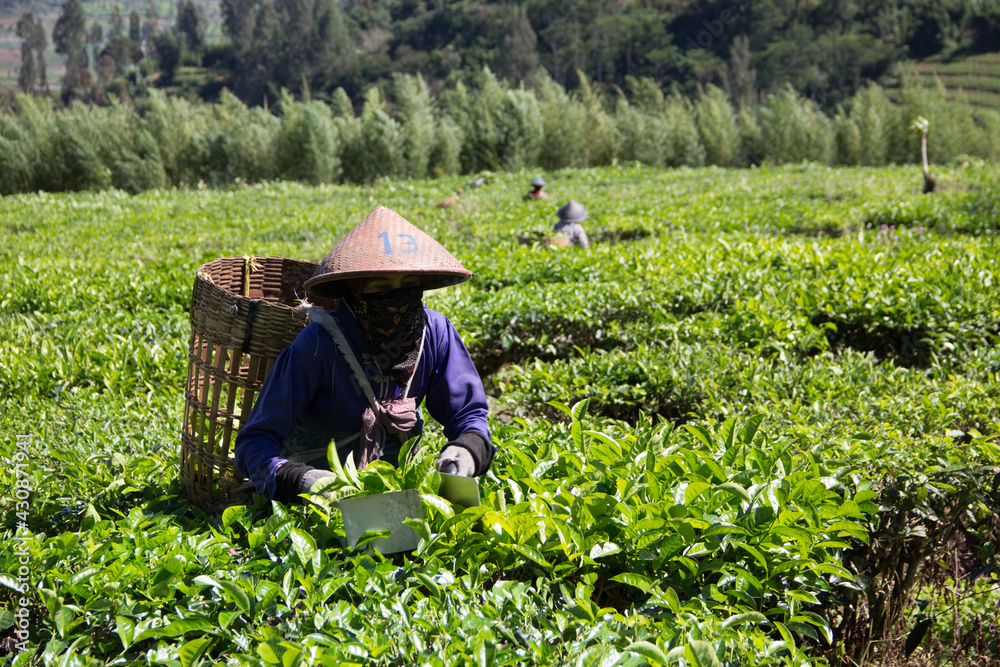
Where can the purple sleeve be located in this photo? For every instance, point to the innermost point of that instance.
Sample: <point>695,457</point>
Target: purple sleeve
<point>288,389</point>
<point>455,396</point>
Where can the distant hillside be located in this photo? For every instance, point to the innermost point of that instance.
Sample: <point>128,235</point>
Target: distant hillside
<point>825,49</point>
<point>96,10</point>
<point>978,76</point>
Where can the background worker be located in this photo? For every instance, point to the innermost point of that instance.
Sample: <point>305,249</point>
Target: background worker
<point>451,201</point>
<point>357,374</point>
<point>536,193</point>
<point>570,216</point>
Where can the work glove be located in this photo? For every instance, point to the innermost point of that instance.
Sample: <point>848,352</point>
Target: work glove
<point>293,478</point>
<point>455,460</point>
<point>311,477</point>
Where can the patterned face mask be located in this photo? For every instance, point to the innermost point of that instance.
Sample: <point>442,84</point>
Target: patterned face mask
<point>391,324</point>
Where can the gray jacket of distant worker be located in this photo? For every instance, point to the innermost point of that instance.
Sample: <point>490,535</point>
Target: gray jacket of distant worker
<point>570,216</point>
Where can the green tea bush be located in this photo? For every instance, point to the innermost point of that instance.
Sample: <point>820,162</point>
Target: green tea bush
<point>725,439</point>
<point>596,543</point>
<point>972,212</point>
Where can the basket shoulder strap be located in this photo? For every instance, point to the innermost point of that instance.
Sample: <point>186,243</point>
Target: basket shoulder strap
<point>329,324</point>
<point>420,355</point>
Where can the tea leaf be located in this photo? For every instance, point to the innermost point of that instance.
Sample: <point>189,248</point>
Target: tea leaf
<point>746,617</point>
<point>701,654</point>
<point>649,651</point>
<point>192,651</point>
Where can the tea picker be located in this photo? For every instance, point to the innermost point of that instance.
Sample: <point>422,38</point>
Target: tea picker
<point>356,375</point>
<point>571,214</point>
<point>536,193</point>
<point>451,201</point>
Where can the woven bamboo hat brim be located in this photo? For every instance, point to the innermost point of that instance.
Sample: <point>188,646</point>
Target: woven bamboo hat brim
<point>538,182</point>
<point>385,242</point>
<point>571,211</point>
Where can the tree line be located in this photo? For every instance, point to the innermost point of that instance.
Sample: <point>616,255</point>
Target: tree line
<point>487,126</point>
<point>826,49</point>
<point>99,56</point>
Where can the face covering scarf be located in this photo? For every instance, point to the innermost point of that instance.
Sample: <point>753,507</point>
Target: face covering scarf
<point>380,419</point>
<point>391,325</point>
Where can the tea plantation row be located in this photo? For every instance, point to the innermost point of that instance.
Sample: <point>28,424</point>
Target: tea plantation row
<point>746,425</point>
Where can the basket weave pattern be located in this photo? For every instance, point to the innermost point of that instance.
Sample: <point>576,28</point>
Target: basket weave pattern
<point>242,316</point>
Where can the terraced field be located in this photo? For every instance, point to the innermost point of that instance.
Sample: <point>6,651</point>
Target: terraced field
<point>977,77</point>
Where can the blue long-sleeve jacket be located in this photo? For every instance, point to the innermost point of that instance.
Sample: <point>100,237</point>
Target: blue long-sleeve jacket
<point>310,379</point>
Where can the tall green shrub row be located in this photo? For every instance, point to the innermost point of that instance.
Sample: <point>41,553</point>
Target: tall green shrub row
<point>84,148</point>
<point>717,128</point>
<point>415,111</point>
<point>794,129</point>
<point>408,133</point>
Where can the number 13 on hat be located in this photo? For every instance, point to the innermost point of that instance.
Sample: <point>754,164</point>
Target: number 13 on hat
<point>409,243</point>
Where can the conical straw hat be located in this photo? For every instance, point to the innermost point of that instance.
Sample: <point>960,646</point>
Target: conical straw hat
<point>572,211</point>
<point>384,242</point>
<point>539,182</point>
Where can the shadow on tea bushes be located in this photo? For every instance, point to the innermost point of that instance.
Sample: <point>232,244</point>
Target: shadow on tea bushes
<point>545,339</point>
<point>624,385</point>
<point>908,347</point>
<point>940,516</point>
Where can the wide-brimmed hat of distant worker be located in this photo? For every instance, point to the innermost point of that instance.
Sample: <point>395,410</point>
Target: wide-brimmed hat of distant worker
<point>538,182</point>
<point>385,243</point>
<point>572,211</point>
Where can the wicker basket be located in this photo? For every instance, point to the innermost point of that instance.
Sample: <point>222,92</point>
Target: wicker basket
<point>558,241</point>
<point>242,316</point>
